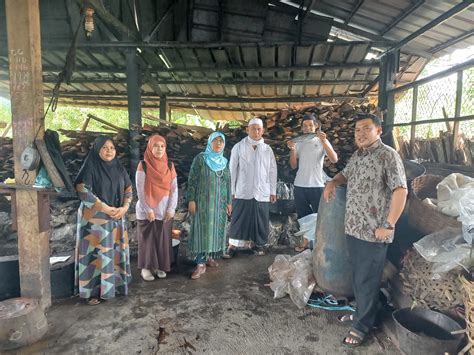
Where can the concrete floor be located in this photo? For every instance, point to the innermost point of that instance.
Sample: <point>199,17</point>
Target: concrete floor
<point>228,311</point>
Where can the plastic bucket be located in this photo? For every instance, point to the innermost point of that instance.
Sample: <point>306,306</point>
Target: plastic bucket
<point>423,331</point>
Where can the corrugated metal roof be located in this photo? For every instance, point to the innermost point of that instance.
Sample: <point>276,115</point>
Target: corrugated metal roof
<point>230,60</point>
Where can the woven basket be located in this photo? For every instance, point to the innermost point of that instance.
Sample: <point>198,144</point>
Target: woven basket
<point>440,294</point>
<point>468,288</point>
<point>424,218</point>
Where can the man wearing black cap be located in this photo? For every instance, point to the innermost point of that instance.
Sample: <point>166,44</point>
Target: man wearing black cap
<point>308,157</point>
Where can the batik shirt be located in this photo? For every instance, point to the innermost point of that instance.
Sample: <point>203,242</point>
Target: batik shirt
<point>372,175</point>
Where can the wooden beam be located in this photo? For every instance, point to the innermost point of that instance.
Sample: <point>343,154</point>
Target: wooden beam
<point>7,129</point>
<point>26,93</point>
<point>48,163</point>
<point>104,122</point>
<point>457,113</point>
<point>432,24</point>
<point>414,108</point>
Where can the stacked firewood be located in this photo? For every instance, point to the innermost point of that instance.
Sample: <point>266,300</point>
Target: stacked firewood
<point>185,142</point>
<point>6,158</point>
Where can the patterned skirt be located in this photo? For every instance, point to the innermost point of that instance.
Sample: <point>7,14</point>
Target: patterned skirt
<point>102,256</point>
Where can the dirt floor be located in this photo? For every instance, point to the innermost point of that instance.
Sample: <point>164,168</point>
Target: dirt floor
<point>228,311</point>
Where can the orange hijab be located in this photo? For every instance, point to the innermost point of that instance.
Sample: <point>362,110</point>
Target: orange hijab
<point>158,175</point>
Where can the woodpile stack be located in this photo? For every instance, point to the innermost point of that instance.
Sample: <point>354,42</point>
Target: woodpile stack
<point>337,121</point>
<point>6,158</point>
<point>185,142</point>
<point>438,150</point>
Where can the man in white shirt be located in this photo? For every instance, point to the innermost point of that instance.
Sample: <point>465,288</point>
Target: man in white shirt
<point>253,172</point>
<point>308,157</point>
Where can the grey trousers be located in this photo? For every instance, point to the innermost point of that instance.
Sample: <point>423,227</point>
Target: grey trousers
<point>368,261</point>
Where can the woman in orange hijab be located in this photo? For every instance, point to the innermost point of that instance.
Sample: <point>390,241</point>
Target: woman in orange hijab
<point>157,190</point>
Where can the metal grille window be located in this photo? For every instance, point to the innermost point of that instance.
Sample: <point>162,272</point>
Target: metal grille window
<point>403,110</point>
<point>436,99</point>
<point>467,103</point>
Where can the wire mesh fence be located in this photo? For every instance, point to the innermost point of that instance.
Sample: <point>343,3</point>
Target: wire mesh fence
<point>436,99</point>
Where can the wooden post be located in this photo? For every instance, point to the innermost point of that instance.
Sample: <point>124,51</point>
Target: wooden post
<point>26,92</point>
<point>414,107</point>
<point>163,107</point>
<point>457,114</point>
<point>134,108</point>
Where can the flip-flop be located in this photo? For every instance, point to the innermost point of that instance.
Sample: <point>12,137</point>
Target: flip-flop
<point>93,301</point>
<point>357,340</point>
<point>346,318</point>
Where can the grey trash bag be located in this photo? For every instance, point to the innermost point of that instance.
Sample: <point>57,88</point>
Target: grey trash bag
<point>293,276</point>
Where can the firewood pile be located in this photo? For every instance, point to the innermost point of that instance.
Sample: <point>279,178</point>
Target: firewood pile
<point>185,142</point>
<point>6,158</point>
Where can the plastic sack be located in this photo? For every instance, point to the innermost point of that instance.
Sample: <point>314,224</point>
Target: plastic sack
<point>308,227</point>
<point>466,209</point>
<point>446,249</point>
<point>450,191</point>
<point>43,179</point>
<point>285,191</point>
<point>293,276</point>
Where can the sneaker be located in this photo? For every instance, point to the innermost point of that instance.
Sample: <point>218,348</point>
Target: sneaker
<point>147,275</point>
<point>160,274</point>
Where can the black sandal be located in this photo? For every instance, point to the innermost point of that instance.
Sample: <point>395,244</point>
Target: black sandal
<point>230,253</point>
<point>354,339</point>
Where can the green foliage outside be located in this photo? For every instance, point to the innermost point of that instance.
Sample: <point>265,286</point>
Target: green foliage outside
<point>73,118</point>
<point>436,99</point>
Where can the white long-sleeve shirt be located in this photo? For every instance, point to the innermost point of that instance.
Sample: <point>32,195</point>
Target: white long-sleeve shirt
<point>253,172</point>
<point>167,204</point>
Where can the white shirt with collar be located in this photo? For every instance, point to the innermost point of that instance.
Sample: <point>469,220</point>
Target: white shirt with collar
<point>253,171</point>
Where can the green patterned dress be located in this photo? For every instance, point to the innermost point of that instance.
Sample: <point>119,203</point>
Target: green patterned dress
<point>102,249</point>
<point>211,192</point>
